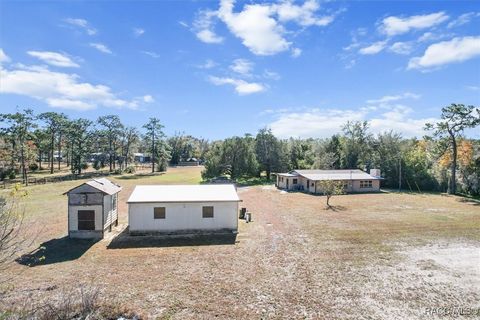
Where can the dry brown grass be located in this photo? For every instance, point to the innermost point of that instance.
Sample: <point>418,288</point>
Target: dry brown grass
<point>296,260</point>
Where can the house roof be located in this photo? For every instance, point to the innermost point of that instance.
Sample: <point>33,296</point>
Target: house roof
<point>184,193</point>
<point>102,184</point>
<point>353,174</point>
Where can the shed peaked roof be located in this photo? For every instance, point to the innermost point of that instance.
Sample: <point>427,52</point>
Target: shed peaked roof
<point>102,184</point>
<point>353,174</point>
<point>184,193</point>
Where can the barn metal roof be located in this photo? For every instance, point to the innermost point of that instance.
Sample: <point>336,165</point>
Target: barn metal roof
<point>101,184</point>
<point>353,174</point>
<point>184,193</point>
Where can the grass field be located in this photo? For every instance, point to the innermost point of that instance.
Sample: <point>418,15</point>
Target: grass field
<point>377,256</point>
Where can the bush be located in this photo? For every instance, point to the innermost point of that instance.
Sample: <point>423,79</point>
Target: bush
<point>117,171</point>
<point>12,175</point>
<point>80,304</point>
<point>33,167</point>
<point>130,169</point>
<point>84,166</point>
<point>97,165</point>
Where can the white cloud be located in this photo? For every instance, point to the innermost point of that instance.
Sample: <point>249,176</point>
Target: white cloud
<point>148,98</point>
<point>137,32</point>
<point>242,87</point>
<point>374,48</point>
<point>101,47</point>
<point>3,56</point>
<point>242,66</point>
<point>296,52</point>
<point>261,27</point>
<point>83,24</point>
<point>209,36</point>
<point>203,27</point>
<point>304,15</point>
<point>392,25</point>
<point>463,19</point>
<point>271,75</point>
<point>183,24</point>
<point>391,98</point>
<point>54,58</point>
<point>473,88</point>
<point>322,123</point>
<point>60,90</point>
<point>402,47</point>
<point>209,64</point>
<point>255,25</point>
<point>151,54</point>
<point>430,36</point>
<point>456,50</point>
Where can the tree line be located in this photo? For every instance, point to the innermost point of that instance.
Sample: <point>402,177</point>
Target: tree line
<point>437,162</point>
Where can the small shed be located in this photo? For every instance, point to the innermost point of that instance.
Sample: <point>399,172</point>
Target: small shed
<point>183,208</point>
<point>92,208</point>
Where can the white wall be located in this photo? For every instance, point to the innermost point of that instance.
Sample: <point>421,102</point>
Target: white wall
<point>182,216</point>
<point>110,213</point>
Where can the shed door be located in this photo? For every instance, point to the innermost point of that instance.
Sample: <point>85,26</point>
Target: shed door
<point>86,220</point>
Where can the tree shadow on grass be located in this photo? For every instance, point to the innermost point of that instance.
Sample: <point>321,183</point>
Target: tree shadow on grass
<point>126,241</point>
<point>470,201</point>
<point>56,250</point>
<point>336,208</point>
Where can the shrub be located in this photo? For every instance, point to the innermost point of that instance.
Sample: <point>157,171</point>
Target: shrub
<point>117,171</point>
<point>84,166</point>
<point>33,167</point>
<point>130,169</point>
<point>97,165</point>
<point>12,175</point>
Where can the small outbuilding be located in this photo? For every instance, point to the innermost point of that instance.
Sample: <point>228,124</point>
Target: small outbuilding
<point>92,208</point>
<point>183,208</point>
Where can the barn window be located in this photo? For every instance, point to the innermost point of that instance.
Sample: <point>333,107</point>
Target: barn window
<point>159,213</point>
<point>86,220</point>
<point>366,184</point>
<point>83,199</point>
<point>207,212</point>
<point>295,181</point>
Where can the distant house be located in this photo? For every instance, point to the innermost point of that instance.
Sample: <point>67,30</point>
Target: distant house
<point>308,180</point>
<point>92,208</point>
<point>183,208</point>
<point>190,162</point>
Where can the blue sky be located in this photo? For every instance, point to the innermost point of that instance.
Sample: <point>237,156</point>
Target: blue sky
<point>221,68</point>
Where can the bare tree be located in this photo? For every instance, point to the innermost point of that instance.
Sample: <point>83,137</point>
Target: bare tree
<point>13,237</point>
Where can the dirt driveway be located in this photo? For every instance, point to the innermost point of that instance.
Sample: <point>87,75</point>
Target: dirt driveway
<point>378,256</point>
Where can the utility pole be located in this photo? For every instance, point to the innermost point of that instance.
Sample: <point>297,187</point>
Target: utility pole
<point>399,174</point>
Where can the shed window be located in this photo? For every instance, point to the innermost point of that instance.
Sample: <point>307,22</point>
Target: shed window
<point>207,212</point>
<point>295,181</point>
<point>86,220</point>
<point>366,184</point>
<point>159,213</point>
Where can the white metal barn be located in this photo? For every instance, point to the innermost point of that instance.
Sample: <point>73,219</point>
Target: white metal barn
<point>183,208</point>
<point>92,208</point>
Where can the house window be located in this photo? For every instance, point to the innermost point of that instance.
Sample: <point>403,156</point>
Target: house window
<point>207,212</point>
<point>159,213</point>
<point>365,184</point>
<point>281,179</point>
<point>312,184</point>
<point>86,220</point>
<point>295,181</point>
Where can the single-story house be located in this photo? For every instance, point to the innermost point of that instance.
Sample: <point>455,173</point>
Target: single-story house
<point>308,180</point>
<point>183,208</point>
<point>92,208</point>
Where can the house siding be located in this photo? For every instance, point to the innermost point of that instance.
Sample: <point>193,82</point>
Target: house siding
<point>181,217</point>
